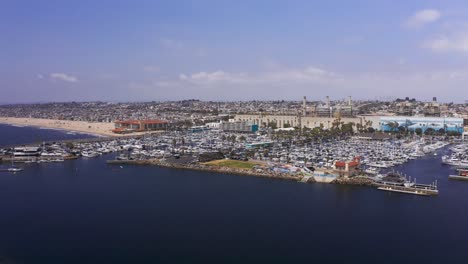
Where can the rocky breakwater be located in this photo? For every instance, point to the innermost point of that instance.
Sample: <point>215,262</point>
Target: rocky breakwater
<point>357,180</point>
<point>256,172</point>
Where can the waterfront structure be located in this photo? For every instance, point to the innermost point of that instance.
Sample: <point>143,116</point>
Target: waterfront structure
<point>239,126</point>
<point>128,126</point>
<point>432,108</point>
<point>437,124</point>
<point>257,145</point>
<point>405,108</point>
<point>26,151</point>
<point>465,129</point>
<point>285,121</point>
<point>196,129</point>
<point>348,168</point>
<point>213,125</point>
<point>336,110</point>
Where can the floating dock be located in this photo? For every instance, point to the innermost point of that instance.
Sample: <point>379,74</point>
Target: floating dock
<point>458,177</point>
<point>413,188</point>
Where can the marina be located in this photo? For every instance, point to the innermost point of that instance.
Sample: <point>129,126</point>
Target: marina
<point>59,186</point>
<point>352,160</point>
<point>408,188</point>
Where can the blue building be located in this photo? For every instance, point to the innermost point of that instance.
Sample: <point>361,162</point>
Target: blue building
<point>438,124</point>
<point>239,127</point>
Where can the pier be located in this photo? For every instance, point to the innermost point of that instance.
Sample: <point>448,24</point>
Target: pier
<point>413,188</point>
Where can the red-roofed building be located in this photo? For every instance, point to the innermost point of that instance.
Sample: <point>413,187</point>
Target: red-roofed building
<point>129,126</point>
<point>348,168</point>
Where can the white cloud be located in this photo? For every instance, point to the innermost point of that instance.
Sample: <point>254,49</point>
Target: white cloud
<point>63,77</point>
<point>169,43</point>
<point>401,61</point>
<point>151,69</point>
<point>40,76</point>
<point>455,42</point>
<point>314,82</point>
<point>309,74</point>
<point>422,18</point>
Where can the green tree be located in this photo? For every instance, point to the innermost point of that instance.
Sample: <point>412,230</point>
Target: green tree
<point>429,131</point>
<point>418,131</point>
<point>348,128</point>
<point>393,126</point>
<point>273,125</point>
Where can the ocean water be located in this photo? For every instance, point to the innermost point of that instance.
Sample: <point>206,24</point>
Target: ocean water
<point>11,135</point>
<point>85,211</point>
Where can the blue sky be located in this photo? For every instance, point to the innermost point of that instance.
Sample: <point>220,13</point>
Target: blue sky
<point>232,50</point>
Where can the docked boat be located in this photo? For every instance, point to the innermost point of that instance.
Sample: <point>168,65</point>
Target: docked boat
<point>89,154</point>
<point>371,171</point>
<point>15,169</point>
<point>462,175</point>
<point>395,182</point>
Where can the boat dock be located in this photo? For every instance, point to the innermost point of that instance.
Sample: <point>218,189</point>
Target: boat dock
<point>409,188</point>
<point>458,177</point>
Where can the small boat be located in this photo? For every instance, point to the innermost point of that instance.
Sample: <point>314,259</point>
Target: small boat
<point>14,169</point>
<point>89,154</point>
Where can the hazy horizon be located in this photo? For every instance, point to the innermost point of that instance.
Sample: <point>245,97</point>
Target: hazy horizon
<point>230,51</point>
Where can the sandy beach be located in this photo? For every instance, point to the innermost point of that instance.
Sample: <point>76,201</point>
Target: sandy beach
<point>96,128</point>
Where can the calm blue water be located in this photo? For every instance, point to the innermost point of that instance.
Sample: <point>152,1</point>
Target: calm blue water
<point>10,135</point>
<point>84,211</point>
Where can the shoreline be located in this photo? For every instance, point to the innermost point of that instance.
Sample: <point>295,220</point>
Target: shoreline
<point>355,181</point>
<point>204,168</point>
<point>99,129</point>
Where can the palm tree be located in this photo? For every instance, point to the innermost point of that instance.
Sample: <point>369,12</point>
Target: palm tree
<point>393,126</point>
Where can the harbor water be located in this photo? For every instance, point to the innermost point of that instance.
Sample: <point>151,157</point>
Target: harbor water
<point>85,211</point>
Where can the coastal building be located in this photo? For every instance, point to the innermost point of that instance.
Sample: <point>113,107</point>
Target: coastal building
<point>432,108</point>
<point>196,129</point>
<point>286,121</point>
<point>422,124</point>
<point>239,126</point>
<point>257,145</point>
<point>129,126</point>
<point>213,125</point>
<point>338,110</point>
<point>465,129</point>
<point>405,108</point>
<point>26,151</point>
<point>348,168</point>
<point>379,136</point>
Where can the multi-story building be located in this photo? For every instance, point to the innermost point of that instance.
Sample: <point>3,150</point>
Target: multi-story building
<point>283,121</point>
<point>432,108</point>
<point>405,108</point>
<point>129,126</point>
<point>239,126</point>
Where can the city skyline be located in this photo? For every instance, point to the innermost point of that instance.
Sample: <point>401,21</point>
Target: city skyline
<point>219,50</point>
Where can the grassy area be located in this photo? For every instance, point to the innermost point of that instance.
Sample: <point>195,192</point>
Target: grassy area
<point>232,164</point>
